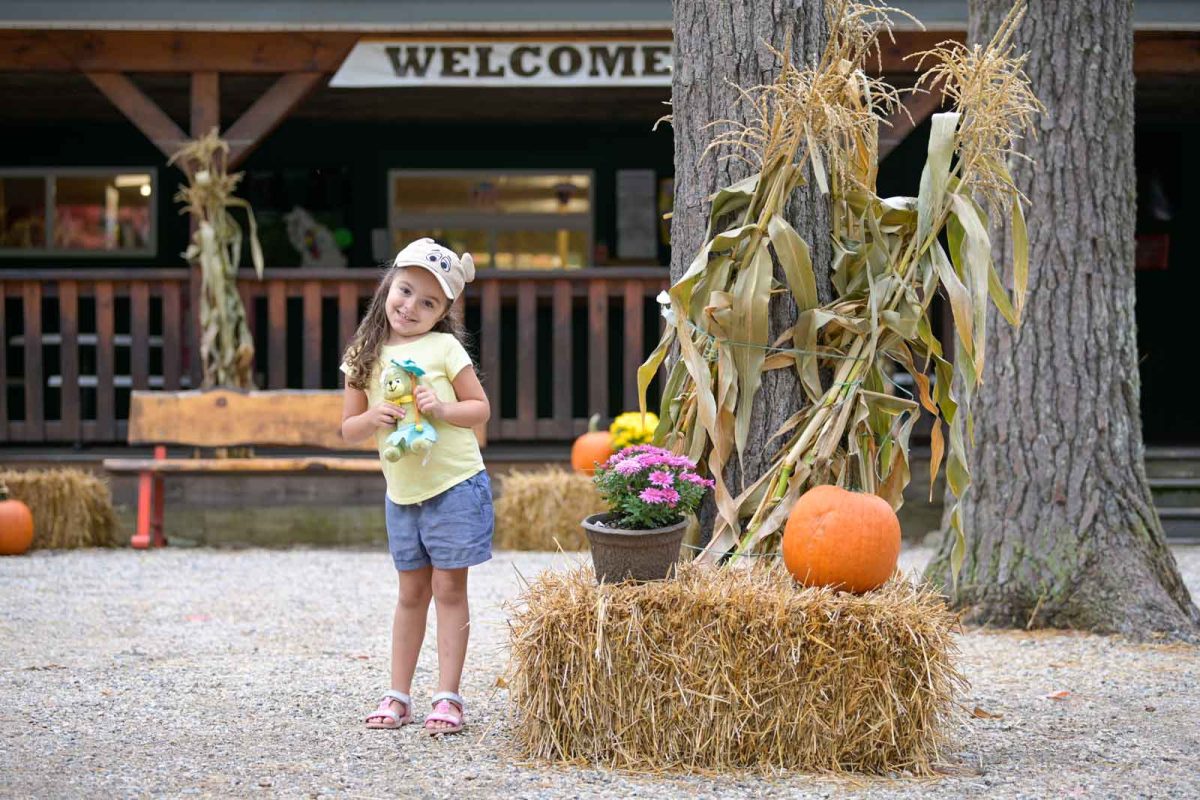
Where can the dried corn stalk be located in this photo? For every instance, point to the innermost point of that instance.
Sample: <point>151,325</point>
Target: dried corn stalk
<point>226,347</point>
<point>889,263</point>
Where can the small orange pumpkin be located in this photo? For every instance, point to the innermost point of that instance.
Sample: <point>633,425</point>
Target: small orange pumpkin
<point>847,540</point>
<point>591,448</point>
<point>16,525</point>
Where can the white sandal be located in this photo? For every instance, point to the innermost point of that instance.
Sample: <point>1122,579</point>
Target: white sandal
<point>385,712</point>
<point>443,711</point>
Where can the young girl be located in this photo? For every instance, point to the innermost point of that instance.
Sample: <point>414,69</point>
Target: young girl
<point>410,383</point>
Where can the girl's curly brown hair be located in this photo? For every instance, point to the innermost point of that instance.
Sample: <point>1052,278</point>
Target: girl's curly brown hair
<point>368,340</point>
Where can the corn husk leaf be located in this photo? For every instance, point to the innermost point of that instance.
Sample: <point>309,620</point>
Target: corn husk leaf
<point>226,346</point>
<point>847,427</point>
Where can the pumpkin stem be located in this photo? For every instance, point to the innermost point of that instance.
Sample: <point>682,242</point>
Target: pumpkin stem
<point>594,423</point>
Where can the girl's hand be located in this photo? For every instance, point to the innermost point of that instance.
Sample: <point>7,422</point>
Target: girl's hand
<point>385,415</point>
<point>427,402</point>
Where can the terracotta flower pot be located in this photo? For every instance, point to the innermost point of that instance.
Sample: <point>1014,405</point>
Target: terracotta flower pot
<point>619,554</point>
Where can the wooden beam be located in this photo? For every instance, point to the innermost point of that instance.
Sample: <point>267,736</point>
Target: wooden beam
<point>140,110</point>
<point>267,112</point>
<point>915,109</point>
<point>896,52</point>
<point>1155,51</point>
<point>206,103</point>
<point>1166,52</point>
<point>174,51</point>
<point>226,417</point>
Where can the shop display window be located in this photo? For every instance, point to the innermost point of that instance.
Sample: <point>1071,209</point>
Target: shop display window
<point>77,212</point>
<point>22,212</point>
<point>520,220</point>
<point>304,213</point>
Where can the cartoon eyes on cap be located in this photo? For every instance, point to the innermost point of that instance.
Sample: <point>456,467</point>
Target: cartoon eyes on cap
<point>445,264</point>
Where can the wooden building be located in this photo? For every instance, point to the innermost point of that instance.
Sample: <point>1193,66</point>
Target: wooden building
<point>522,131</point>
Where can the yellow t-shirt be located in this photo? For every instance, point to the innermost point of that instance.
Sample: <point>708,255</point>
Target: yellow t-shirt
<point>455,456</point>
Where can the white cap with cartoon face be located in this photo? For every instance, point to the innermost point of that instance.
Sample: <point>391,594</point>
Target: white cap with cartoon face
<point>452,272</point>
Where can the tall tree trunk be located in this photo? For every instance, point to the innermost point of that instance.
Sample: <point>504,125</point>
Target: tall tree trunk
<point>719,45</point>
<point>1061,529</point>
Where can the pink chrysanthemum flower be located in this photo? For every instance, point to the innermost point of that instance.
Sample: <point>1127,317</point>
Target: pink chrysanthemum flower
<point>657,496</point>
<point>662,478</point>
<point>692,477</point>
<point>629,466</point>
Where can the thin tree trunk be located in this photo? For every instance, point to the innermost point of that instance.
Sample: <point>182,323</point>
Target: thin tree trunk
<point>1061,528</point>
<point>719,45</point>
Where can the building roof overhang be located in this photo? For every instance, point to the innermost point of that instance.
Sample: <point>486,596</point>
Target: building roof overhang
<point>366,16</point>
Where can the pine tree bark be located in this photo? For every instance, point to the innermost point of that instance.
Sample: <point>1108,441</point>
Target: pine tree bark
<point>1061,529</point>
<point>719,45</point>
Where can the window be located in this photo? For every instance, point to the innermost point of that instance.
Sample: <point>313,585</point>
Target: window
<point>505,219</point>
<point>79,212</point>
<point>304,214</point>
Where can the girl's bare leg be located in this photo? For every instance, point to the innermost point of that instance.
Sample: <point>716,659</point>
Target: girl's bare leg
<point>453,628</point>
<point>408,629</point>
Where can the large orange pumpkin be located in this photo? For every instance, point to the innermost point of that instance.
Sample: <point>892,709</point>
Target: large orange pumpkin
<point>16,525</point>
<point>847,540</point>
<point>591,448</point>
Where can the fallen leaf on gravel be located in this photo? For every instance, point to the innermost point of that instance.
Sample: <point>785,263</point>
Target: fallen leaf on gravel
<point>360,656</point>
<point>1150,708</point>
<point>1061,694</point>
<point>197,618</point>
<point>982,714</point>
<point>501,682</point>
<point>956,770</point>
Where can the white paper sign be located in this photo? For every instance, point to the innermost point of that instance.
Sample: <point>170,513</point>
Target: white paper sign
<point>513,63</point>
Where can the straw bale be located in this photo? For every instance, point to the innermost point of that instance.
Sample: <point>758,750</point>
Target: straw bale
<point>542,510</point>
<point>70,507</point>
<point>731,669</point>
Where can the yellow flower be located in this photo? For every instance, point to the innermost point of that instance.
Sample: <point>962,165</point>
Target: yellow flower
<point>629,429</point>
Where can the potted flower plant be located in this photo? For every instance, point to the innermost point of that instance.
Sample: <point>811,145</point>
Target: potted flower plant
<point>650,492</point>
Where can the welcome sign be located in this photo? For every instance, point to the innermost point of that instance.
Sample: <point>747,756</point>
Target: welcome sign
<point>509,63</point>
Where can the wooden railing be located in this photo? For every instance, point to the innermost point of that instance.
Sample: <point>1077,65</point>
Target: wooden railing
<point>552,347</point>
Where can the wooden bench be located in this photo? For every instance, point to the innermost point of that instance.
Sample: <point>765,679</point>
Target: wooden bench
<point>227,418</point>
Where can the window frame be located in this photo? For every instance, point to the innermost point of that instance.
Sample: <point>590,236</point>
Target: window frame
<point>50,176</point>
<point>491,223</point>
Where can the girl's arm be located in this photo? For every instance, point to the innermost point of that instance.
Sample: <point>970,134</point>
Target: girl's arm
<point>471,408</point>
<point>359,421</point>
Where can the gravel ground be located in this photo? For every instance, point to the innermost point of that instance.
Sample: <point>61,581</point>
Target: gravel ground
<point>246,673</point>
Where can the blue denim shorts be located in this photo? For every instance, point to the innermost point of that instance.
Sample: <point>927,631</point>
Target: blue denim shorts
<point>451,530</point>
